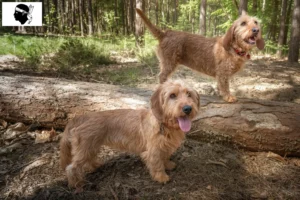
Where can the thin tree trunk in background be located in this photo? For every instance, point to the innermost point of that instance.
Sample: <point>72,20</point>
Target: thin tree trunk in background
<point>287,22</point>
<point>63,16</point>
<point>55,17</point>
<point>43,15</point>
<point>73,16</point>
<point>156,12</point>
<point>236,4</point>
<point>48,13</point>
<point>139,26</point>
<point>282,25</point>
<point>81,18</point>
<point>149,8</point>
<point>174,12</point>
<point>116,18</point>
<point>243,6</point>
<point>163,19</point>
<point>295,34</point>
<point>193,21</point>
<point>264,5</point>
<point>255,6</point>
<point>131,13</point>
<point>273,26</point>
<point>168,12</point>
<point>123,17</point>
<point>202,28</point>
<point>90,17</point>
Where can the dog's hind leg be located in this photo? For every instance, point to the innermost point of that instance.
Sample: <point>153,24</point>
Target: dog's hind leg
<point>84,160</point>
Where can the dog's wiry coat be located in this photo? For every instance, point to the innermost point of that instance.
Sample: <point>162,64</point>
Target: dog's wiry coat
<point>219,57</point>
<point>154,134</point>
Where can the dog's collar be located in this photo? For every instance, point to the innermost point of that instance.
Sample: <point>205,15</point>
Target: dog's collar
<point>242,53</point>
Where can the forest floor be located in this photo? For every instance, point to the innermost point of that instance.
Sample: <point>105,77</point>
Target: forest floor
<point>31,170</point>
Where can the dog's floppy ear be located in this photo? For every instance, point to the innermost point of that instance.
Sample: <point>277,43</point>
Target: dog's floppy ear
<point>260,43</point>
<point>156,104</point>
<point>197,95</point>
<point>228,38</point>
<point>198,98</point>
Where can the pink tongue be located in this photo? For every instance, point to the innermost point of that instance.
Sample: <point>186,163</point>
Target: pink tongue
<point>184,124</point>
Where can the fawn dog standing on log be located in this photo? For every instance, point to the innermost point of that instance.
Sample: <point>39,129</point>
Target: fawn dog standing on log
<point>219,57</point>
<point>154,134</point>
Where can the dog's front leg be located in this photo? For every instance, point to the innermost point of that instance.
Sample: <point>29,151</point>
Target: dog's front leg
<point>223,87</point>
<point>155,163</point>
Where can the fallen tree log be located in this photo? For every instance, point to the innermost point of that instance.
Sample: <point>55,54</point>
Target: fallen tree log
<point>251,124</point>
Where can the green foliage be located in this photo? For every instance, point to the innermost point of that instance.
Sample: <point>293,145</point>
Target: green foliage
<point>29,48</point>
<point>76,54</point>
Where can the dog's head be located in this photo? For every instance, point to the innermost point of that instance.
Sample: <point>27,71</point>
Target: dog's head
<point>175,104</point>
<point>245,32</point>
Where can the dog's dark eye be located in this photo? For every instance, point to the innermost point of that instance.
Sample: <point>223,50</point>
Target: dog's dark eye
<point>243,23</point>
<point>172,96</point>
<point>255,22</point>
<point>188,94</point>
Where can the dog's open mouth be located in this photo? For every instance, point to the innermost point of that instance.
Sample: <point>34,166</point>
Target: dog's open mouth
<point>251,40</point>
<point>185,123</point>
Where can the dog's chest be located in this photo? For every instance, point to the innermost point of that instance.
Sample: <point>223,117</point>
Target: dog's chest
<point>173,140</point>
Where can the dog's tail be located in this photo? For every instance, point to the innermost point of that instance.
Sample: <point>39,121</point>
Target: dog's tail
<point>65,150</point>
<point>153,29</point>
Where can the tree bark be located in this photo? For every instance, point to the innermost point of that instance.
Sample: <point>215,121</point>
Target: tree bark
<point>273,26</point>
<point>174,12</point>
<point>139,26</point>
<point>295,34</point>
<point>254,7</point>
<point>287,22</point>
<point>202,29</point>
<point>243,6</point>
<point>90,17</point>
<point>282,25</point>
<point>156,12</point>
<point>81,18</point>
<point>251,124</point>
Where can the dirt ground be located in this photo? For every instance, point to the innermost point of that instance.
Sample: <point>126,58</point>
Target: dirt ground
<point>204,170</point>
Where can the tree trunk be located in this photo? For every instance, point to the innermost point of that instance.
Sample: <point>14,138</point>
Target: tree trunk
<point>90,17</point>
<point>255,6</point>
<point>295,34</point>
<point>131,14</point>
<point>81,18</point>
<point>139,26</point>
<point>243,6</point>
<point>73,16</point>
<point>116,18</point>
<point>174,12</point>
<point>251,124</point>
<point>282,25</point>
<point>156,12</point>
<point>287,22</point>
<point>55,17</point>
<point>273,26</point>
<point>236,4</point>
<point>202,29</point>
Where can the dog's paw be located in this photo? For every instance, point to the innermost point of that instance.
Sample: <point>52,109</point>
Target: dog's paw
<point>230,99</point>
<point>161,177</point>
<point>170,165</point>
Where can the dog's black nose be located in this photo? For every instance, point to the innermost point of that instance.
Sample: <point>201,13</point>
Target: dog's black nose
<point>255,30</point>
<point>187,109</point>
